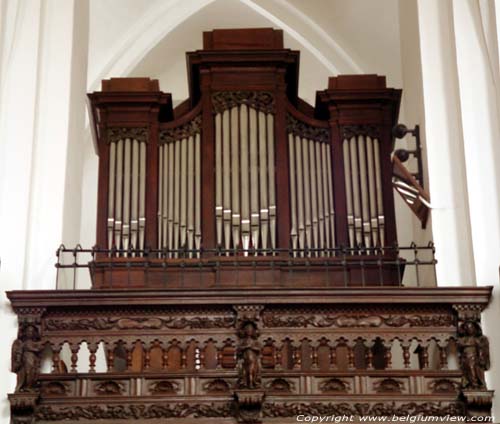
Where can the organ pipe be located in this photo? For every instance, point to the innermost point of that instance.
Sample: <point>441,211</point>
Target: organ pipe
<point>179,204</point>
<point>363,192</point>
<point>245,197</point>
<point>126,195</point>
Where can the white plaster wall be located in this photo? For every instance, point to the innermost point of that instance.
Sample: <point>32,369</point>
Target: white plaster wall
<point>43,83</point>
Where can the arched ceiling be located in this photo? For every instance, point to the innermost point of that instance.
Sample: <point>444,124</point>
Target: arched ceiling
<point>150,37</point>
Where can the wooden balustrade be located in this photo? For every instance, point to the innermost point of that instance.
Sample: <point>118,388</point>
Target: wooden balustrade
<point>347,346</point>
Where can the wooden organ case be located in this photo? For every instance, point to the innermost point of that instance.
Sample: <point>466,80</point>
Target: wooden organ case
<point>245,170</point>
<point>246,267</point>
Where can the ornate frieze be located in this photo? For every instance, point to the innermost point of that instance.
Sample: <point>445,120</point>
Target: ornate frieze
<point>349,131</point>
<point>272,320</point>
<point>133,412</point>
<point>115,134</point>
<point>260,100</point>
<point>293,409</point>
<point>303,130</point>
<point>189,129</point>
<point>137,323</point>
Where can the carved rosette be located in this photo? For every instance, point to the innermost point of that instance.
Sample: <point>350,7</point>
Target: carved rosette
<point>187,130</point>
<point>349,131</point>
<point>303,130</point>
<point>115,134</point>
<point>260,100</point>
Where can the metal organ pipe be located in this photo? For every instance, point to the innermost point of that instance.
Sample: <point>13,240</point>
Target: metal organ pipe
<point>179,206</point>
<point>245,183</point>
<point>364,192</point>
<point>311,189</point>
<point>126,195</point>
<point>244,172</point>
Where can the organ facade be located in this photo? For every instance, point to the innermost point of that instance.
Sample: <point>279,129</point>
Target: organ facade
<point>246,266</point>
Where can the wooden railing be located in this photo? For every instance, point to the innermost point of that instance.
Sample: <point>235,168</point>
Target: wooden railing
<point>247,356</point>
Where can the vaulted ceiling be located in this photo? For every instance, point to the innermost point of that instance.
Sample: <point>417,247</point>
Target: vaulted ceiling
<point>150,37</point>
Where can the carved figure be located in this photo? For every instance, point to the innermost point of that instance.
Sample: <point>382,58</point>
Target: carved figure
<point>25,358</point>
<point>249,355</point>
<point>475,356</point>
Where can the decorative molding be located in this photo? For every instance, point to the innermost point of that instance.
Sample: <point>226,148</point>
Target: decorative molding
<point>444,385</point>
<point>334,385</point>
<point>139,323</point>
<point>281,385</point>
<point>109,388</point>
<point>189,129</point>
<point>133,412</point>
<point>55,388</point>
<point>389,385</point>
<point>261,100</point>
<point>349,131</point>
<point>218,385</point>
<point>292,409</point>
<point>163,387</point>
<point>303,130</point>
<point>272,320</point>
<point>115,134</point>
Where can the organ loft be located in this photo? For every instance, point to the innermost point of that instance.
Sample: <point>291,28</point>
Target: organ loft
<point>247,266</point>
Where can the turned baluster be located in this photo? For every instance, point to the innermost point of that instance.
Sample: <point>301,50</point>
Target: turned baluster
<point>406,354</point>
<point>443,355</point>
<point>164,358</point>
<point>388,354</point>
<point>297,357</point>
<point>314,354</point>
<point>147,357</point>
<point>92,356</point>
<point>75,347</point>
<point>424,356</point>
<point>350,355</point>
<point>56,359</point>
<point>130,351</point>
<point>202,359</point>
<point>111,358</point>
<point>369,354</point>
<point>278,358</point>
<point>183,356</point>
<point>219,358</point>
<point>333,357</point>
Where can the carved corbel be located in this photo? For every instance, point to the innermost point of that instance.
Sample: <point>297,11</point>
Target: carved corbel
<point>474,351</point>
<point>249,397</point>
<point>26,364</point>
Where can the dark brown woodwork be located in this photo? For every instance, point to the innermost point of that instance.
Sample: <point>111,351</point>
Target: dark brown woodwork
<point>328,336</point>
<point>180,334</point>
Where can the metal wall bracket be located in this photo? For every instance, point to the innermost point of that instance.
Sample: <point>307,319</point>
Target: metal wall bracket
<point>401,130</point>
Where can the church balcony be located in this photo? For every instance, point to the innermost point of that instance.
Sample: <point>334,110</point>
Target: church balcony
<point>176,355</point>
<point>247,266</point>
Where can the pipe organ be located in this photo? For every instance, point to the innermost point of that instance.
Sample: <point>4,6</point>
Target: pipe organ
<point>245,168</point>
<point>246,245</point>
